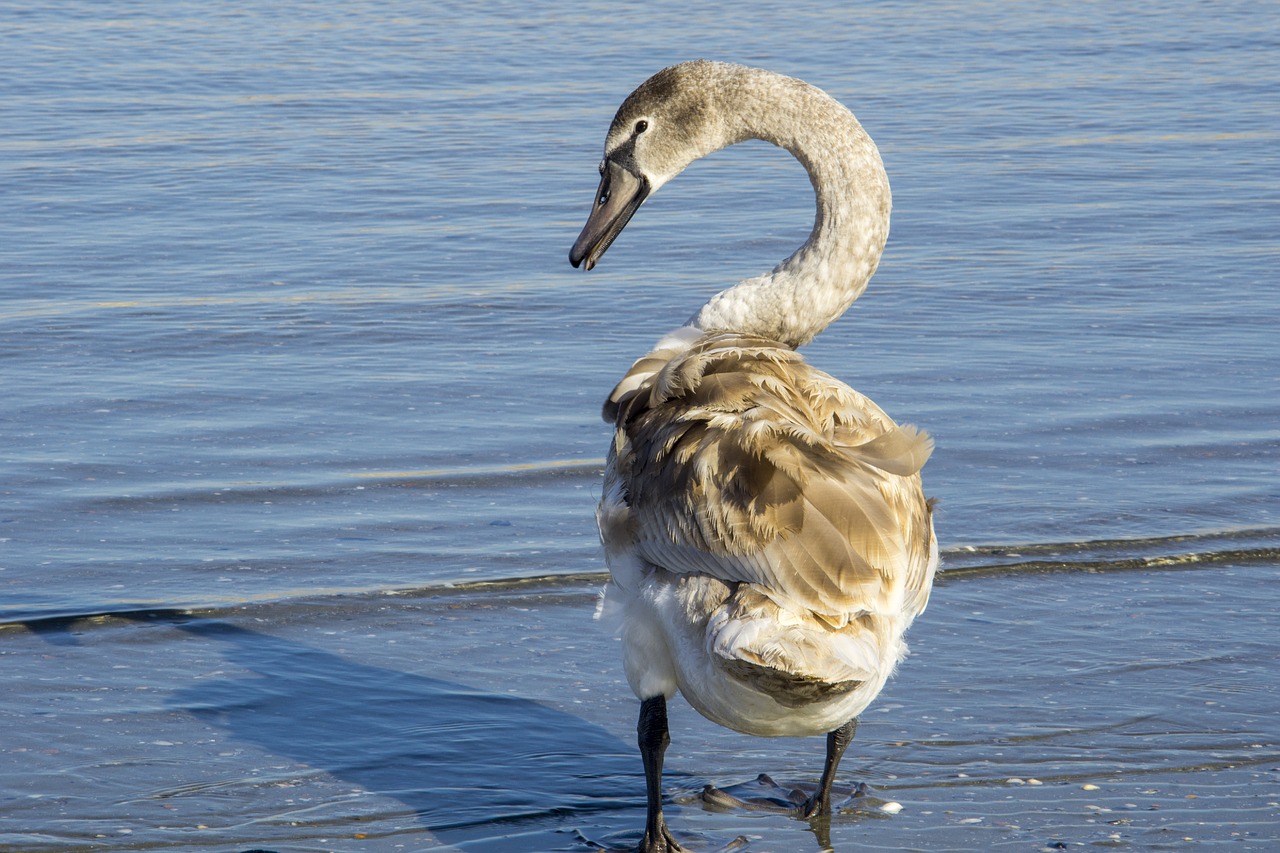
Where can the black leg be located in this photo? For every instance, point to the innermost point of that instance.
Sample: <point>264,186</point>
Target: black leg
<point>651,734</point>
<point>837,743</point>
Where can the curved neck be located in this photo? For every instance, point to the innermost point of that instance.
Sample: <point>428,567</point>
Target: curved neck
<point>809,290</point>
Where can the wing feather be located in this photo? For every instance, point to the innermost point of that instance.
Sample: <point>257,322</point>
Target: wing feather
<point>740,461</point>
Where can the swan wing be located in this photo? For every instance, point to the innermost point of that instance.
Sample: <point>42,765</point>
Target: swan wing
<point>738,460</point>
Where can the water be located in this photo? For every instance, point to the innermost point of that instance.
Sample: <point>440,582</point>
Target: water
<point>301,434</point>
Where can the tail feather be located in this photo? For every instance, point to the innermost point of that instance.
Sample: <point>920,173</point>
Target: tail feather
<point>753,630</point>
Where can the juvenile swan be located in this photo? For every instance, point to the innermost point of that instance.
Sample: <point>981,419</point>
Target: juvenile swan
<point>764,524</point>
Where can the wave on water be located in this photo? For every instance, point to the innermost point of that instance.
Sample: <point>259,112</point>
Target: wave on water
<point>1185,552</point>
<point>1198,550</point>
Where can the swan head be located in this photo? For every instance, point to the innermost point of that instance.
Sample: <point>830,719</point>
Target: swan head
<point>668,122</point>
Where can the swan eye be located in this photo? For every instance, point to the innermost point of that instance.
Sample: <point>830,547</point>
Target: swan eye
<point>642,126</point>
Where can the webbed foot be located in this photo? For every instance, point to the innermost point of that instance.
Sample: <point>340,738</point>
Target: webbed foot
<point>664,842</point>
<point>819,803</point>
<point>764,794</point>
<point>660,840</point>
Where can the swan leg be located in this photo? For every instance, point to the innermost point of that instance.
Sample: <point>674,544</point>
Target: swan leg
<point>837,743</point>
<point>652,736</point>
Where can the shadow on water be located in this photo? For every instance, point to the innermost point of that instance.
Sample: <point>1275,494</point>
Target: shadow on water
<point>475,769</point>
<point>470,765</point>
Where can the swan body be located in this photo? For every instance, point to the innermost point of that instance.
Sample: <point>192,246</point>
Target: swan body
<point>764,524</point>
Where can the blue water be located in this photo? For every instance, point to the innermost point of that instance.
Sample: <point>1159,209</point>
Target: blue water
<point>287,323</point>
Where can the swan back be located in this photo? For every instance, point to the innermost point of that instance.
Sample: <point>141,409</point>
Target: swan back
<point>740,461</point>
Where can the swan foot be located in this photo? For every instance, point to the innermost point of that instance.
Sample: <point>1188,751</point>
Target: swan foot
<point>764,794</point>
<point>658,839</point>
<point>816,805</point>
<point>668,844</point>
<point>672,846</point>
<point>795,802</point>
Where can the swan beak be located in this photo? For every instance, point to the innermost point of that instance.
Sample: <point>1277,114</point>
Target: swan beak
<point>621,193</point>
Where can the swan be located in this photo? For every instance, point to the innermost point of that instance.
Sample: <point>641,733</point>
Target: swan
<point>765,528</point>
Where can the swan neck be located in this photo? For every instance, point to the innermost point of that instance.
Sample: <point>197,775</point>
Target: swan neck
<point>815,285</point>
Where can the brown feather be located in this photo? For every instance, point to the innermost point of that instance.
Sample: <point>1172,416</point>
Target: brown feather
<point>741,461</point>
